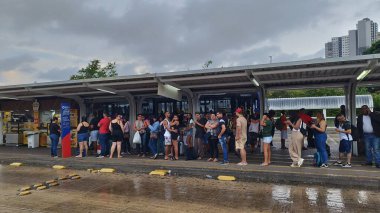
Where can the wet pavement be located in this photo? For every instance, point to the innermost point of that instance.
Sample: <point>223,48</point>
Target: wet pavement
<point>143,193</point>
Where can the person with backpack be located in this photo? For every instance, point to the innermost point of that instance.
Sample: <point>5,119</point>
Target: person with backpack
<point>345,145</point>
<point>283,127</point>
<point>320,140</point>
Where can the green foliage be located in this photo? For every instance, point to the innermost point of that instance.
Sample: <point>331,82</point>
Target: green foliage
<point>207,64</point>
<point>306,93</point>
<point>375,48</point>
<point>94,70</point>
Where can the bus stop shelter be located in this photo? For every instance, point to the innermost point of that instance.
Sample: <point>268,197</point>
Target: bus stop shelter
<point>347,73</point>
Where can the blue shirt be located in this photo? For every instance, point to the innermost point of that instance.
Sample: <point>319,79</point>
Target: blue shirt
<point>155,127</point>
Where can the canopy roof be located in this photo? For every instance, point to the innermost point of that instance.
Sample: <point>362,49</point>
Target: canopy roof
<point>316,73</point>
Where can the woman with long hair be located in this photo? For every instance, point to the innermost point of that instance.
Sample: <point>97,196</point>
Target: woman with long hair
<point>174,130</point>
<point>116,128</point>
<point>321,138</point>
<point>267,124</point>
<point>83,136</point>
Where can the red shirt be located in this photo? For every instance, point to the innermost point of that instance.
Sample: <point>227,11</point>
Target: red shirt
<point>104,125</point>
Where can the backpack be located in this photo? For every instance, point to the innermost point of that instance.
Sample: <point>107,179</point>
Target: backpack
<point>278,124</point>
<point>317,159</point>
<point>162,129</point>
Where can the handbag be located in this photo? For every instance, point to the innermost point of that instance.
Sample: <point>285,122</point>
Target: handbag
<point>153,135</point>
<point>137,138</point>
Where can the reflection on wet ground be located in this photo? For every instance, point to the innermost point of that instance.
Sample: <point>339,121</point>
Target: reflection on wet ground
<point>143,193</point>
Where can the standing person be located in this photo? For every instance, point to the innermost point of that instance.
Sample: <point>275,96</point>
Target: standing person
<point>161,138</point>
<point>343,112</point>
<point>116,127</point>
<point>154,126</point>
<point>321,138</point>
<point>189,137</point>
<point>222,137</point>
<point>211,126</point>
<point>82,136</point>
<point>200,144</point>
<point>174,133</point>
<point>139,126</point>
<point>104,134</point>
<point>296,144</point>
<point>253,131</point>
<point>267,124</point>
<point>241,136</point>
<point>369,131</point>
<point>125,145</point>
<point>303,127</point>
<point>344,130</point>
<point>284,130</point>
<point>55,133</point>
<point>94,132</point>
<point>167,135</point>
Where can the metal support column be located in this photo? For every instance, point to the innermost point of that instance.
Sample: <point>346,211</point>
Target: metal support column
<point>350,100</point>
<point>1,128</point>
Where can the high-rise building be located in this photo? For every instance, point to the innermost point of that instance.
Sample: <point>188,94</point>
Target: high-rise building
<point>356,42</point>
<point>345,46</point>
<point>353,43</point>
<point>329,50</point>
<point>367,31</point>
<point>378,36</point>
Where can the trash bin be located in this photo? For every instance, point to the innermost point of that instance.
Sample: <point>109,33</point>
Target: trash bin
<point>33,139</point>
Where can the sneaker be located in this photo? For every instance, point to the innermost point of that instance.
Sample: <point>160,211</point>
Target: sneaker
<point>324,166</point>
<point>55,157</point>
<point>304,148</point>
<point>242,164</point>
<point>337,163</point>
<point>293,166</point>
<point>347,165</point>
<point>224,163</point>
<point>100,156</point>
<point>215,159</point>
<point>210,159</point>
<point>78,156</point>
<point>300,162</point>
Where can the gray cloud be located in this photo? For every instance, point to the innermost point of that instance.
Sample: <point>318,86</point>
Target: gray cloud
<point>158,36</point>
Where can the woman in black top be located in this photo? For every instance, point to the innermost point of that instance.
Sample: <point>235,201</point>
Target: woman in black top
<point>83,136</point>
<point>174,133</point>
<point>55,132</point>
<point>116,127</point>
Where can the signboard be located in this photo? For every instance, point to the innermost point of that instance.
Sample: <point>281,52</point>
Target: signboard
<point>65,130</point>
<point>169,91</point>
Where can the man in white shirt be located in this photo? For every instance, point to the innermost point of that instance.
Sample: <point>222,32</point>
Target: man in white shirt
<point>369,132</point>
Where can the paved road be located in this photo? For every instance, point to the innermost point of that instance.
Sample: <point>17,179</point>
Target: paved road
<point>143,193</point>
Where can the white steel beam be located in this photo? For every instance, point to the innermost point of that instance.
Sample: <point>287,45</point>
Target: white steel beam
<point>311,69</point>
<point>302,80</point>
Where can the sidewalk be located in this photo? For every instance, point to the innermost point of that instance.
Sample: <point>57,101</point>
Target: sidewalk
<point>278,172</point>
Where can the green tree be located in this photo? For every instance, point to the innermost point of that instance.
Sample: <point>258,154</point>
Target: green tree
<point>95,70</point>
<point>207,64</point>
<point>375,48</point>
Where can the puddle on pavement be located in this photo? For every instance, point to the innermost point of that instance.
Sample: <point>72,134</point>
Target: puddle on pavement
<point>146,193</point>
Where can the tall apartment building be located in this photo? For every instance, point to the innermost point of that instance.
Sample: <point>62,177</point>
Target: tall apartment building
<point>356,42</point>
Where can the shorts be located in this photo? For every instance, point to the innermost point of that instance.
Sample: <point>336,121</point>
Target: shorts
<point>168,141</point>
<point>345,146</point>
<point>240,144</point>
<point>284,134</point>
<point>189,133</point>
<point>267,139</point>
<point>94,134</point>
<point>82,137</point>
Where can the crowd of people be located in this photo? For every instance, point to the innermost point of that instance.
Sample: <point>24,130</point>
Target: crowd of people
<point>171,135</point>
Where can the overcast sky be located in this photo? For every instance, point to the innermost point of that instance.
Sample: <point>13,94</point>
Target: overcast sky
<point>47,40</point>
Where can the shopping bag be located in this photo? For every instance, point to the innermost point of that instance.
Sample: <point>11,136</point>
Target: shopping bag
<point>137,138</point>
